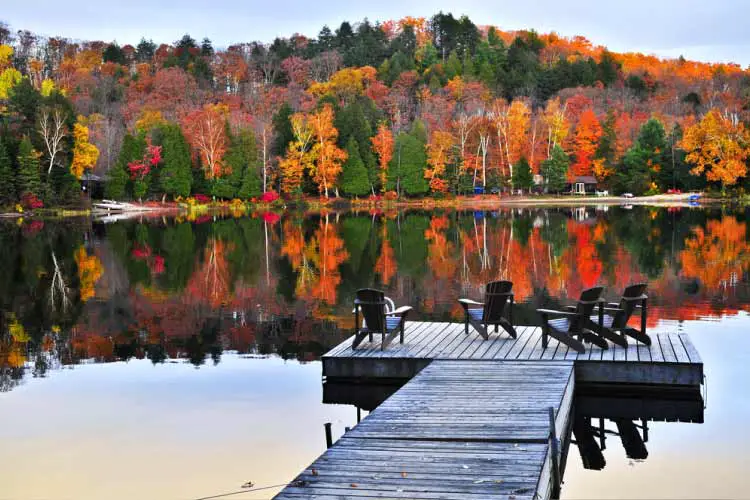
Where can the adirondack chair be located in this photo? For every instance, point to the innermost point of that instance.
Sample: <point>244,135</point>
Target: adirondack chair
<point>498,300</point>
<point>617,315</point>
<point>378,318</point>
<point>566,325</point>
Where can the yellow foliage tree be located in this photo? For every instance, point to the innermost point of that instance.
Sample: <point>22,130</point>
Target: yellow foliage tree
<point>438,155</point>
<point>47,87</point>
<point>149,120</point>
<point>85,154</point>
<point>718,145</point>
<point>8,79</point>
<point>6,52</point>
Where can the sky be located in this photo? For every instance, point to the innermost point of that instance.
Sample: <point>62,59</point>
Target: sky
<point>697,29</point>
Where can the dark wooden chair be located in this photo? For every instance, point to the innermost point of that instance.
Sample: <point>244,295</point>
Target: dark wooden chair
<point>378,318</point>
<point>574,322</point>
<point>616,316</point>
<point>497,310</point>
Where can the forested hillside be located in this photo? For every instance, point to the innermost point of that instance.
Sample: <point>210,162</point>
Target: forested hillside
<point>402,108</point>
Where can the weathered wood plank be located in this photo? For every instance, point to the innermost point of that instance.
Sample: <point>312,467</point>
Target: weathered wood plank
<point>690,348</point>
<point>679,349</point>
<point>666,348</point>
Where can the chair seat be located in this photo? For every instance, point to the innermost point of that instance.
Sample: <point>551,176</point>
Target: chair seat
<point>561,324</point>
<point>608,320</point>
<point>392,322</point>
<point>476,313</point>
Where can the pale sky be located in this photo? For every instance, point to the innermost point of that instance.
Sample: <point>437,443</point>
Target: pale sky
<point>698,29</point>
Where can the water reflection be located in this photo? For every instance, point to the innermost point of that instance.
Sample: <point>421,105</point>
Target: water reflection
<point>171,289</point>
<point>602,415</point>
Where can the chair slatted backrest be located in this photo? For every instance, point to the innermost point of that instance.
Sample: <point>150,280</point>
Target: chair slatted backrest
<point>496,296</point>
<point>372,304</point>
<point>586,304</point>
<point>628,303</point>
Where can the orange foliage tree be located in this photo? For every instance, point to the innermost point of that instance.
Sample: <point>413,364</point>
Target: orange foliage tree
<point>718,145</point>
<point>328,156</point>
<point>382,144</point>
<point>586,140</point>
<point>205,130</point>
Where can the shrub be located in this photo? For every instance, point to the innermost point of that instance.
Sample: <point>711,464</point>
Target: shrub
<point>29,201</point>
<point>201,198</point>
<point>391,195</point>
<point>269,197</point>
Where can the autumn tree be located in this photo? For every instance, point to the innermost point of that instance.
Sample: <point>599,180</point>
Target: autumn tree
<point>206,133</point>
<point>382,144</point>
<point>85,154</point>
<point>587,134</point>
<point>438,156</point>
<point>53,129</point>
<point>298,157</point>
<point>556,123</point>
<point>718,146</point>
<point>328,157</point>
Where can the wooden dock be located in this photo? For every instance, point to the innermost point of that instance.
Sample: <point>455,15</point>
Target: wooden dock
<point>670,360</point>
<point>474,421</point>
<point>459,429</point>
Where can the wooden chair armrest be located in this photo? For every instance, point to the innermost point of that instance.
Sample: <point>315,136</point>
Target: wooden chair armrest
<point>553,312</point>
<point>469,302</point>
<point>400,311</point>
<point>571,308</point>
<point>640,298</point>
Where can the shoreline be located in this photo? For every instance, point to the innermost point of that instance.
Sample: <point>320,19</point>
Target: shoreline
<point>488,202</point>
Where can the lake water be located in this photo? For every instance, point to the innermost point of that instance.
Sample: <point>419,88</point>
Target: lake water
<point>177,358</point>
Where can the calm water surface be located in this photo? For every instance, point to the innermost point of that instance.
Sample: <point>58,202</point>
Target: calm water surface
<point>178,358</point>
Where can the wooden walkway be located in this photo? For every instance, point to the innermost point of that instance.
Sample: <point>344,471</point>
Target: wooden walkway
<point>473,421</point>
<point>459,429</point>
<point>670,360</point>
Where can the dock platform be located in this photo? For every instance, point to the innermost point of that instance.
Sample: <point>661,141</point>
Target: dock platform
<point>459,429</point>
<point>671,359</point>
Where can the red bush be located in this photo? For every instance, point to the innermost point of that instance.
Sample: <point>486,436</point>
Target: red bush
<point>201,198</point>
<point>141,252</point>
<point>269,197</point>
<point>29,201</point>
<point>271,217</point>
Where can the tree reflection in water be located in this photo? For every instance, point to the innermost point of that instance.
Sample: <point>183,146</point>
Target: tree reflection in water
<point>173,289</point>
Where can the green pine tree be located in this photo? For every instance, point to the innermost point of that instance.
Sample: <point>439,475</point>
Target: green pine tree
<point>29,180</point>
<point>176,176</point>
<point>7,177</point>
<point>406,172</point>
<point>354,179</point>
<point>244,154</point>
<point>555,170</point>
<point>522,176</point>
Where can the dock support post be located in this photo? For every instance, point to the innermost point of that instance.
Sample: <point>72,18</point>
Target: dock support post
<point>359,414</point>
<point>554,454</point>
<point>329,438</point>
